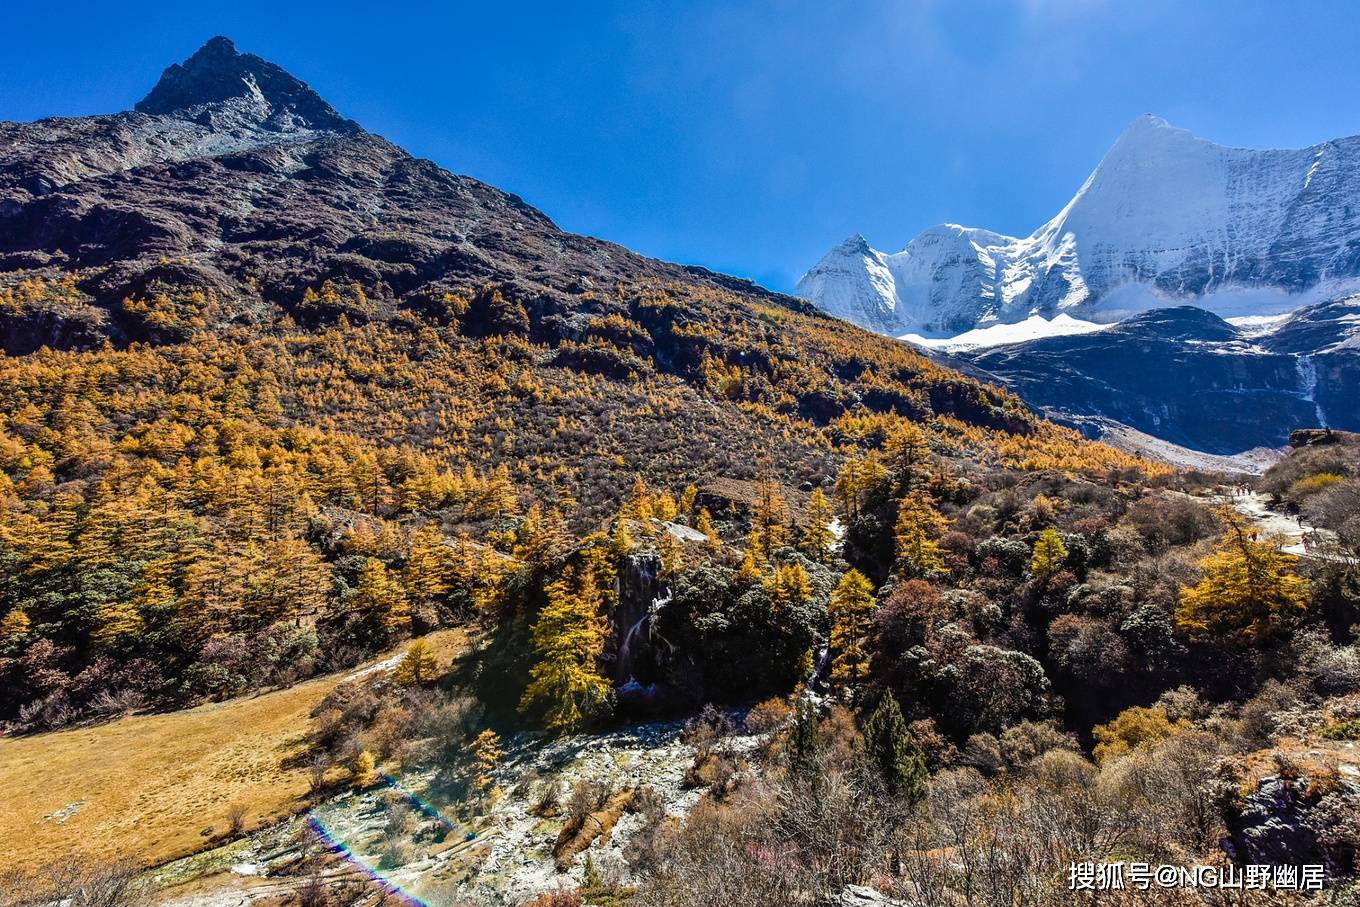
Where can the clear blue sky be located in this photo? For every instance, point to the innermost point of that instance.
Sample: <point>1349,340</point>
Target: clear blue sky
<point>746,136</point>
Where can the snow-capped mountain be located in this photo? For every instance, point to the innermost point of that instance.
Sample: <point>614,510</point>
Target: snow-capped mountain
<point>1166,218</point>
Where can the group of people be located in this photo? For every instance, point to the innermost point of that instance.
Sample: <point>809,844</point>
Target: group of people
<point>1310,537</point>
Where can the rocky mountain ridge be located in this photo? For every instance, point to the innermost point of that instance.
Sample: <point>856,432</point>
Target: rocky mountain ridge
<point>233,176</point>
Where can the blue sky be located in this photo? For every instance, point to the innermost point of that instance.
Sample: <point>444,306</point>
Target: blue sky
<point>745,136</point>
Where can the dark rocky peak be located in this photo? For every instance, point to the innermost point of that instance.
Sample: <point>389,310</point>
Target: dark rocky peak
<point>220,86</point>
<point>1183,322</point>
<point>1325,327</point>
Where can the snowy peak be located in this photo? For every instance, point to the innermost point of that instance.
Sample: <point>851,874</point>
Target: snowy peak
<point>1329,327</point>
<point>1150,130</point>
<point>218,79</point>
<point>1165,218</point>
<point>853,283</point>
<point>853,245</point>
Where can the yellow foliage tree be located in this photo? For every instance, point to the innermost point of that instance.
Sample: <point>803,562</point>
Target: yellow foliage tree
<point>486,747</point>
<point>704,524</point>
<point>427,574</point>
<point>919,528</point>
<point>788,585</point>
<point>1248,589</point>
<point>1132,728</point>
<point>753,560</point>
<point>664,508</point>
<point>817,538</point>
<point>541,537</point>
<point>668,549</point>
<point>499,499</point>
<point>380,595</point>
<point>907,451</point>
<point>363,772</point>
<point>118,624</point>
<point>622,540</point>
<point>638,505</point>
<point>858,474</point>
<point>769,516</point>
<point>851,608</point>
<point>14,627</point>
<point>1049,554</point>
<point>568,639</point>
<point>417,666</point>
<point>687,500</point>
<point>298,579</point>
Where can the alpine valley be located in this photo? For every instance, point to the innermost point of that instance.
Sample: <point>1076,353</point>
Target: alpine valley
<point>366,538</point>
<point>1229,277</point>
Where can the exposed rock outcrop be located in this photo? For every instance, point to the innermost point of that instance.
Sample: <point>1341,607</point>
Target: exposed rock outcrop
<point>1297,821</point>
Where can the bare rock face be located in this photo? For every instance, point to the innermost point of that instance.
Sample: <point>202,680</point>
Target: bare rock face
<point>218,80</point>
<point>234,176</point>
<point>1284,822</point>
<point>1313,437</point>
<point>1184,375</point>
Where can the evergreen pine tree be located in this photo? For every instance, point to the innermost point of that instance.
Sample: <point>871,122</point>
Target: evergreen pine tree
<point>805,738</point>
<point>889,750</point>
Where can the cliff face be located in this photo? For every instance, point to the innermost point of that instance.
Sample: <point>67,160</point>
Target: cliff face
<point>1183,375</point>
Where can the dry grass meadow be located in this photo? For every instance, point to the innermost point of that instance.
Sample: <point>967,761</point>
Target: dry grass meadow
<point>153,788</point>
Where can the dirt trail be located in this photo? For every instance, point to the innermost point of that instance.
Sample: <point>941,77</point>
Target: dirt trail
<point>1256,508</point>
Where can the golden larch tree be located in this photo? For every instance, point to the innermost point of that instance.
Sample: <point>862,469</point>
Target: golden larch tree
<point>1248,590</point>
<point>852,607</point>
<point>568,639</point>
<point>817,538</point>
<point>380,595</point>
<point>919,529</point>
<point>417,666</point>
<point>428,572</point>
<point>1049,554</point>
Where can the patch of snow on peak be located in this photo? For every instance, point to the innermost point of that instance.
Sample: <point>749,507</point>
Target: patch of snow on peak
<point>1253,326</point>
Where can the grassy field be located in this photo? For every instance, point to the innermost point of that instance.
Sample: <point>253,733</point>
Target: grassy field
<point>156,787</point>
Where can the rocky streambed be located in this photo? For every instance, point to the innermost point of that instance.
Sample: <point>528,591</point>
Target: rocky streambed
<point>404,834</point>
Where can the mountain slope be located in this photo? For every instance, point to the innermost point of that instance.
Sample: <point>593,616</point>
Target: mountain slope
<point>1166,217</point>
<point>233,175</point>
<point>265,374</point>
